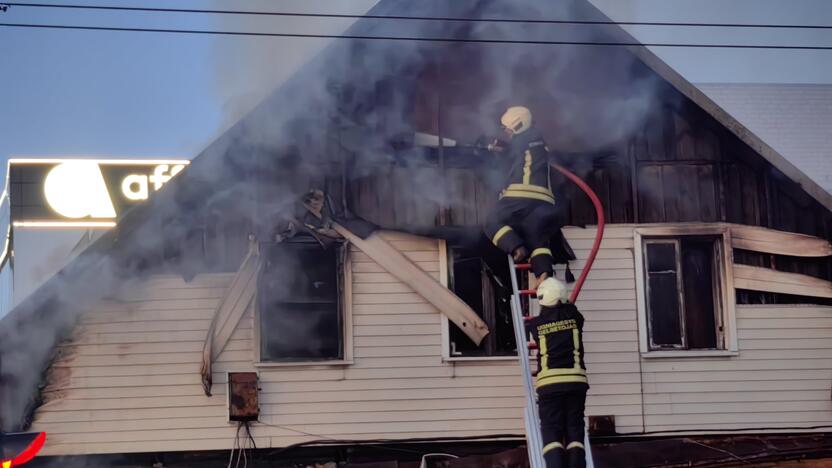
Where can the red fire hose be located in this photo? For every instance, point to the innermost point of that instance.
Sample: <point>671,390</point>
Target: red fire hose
<point>599,211</point>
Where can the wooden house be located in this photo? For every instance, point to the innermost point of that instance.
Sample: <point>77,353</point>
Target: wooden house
<point>708,310</point>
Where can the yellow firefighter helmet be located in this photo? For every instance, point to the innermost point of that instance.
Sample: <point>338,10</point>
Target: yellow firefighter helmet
<point>551,291</point>
<point>517,119</point>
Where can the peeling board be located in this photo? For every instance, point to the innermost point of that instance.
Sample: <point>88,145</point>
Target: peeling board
<point>234,305</point>
<point>395,263</point>
<point>764,279</point>
<point>772,241</point>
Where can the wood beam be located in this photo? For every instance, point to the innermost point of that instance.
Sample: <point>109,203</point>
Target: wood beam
<point>754,238</point>
<point>232,308</point>
<point>764,279</point>
<point>392,260</point>
<point>765,240</point>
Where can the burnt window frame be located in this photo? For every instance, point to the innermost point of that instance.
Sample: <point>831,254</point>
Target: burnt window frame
<point>723,292</point>
<point>445,276</point>
<point>344,303</point>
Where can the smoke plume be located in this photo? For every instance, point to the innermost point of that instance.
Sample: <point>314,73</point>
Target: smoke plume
<point>584,98</point>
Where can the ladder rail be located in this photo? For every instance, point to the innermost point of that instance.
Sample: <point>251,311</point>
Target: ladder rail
<point>534,439</point>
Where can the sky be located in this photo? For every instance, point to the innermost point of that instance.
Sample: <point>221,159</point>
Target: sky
<point>121,94</point>
<point>152,95</point>
<point>731,65</point>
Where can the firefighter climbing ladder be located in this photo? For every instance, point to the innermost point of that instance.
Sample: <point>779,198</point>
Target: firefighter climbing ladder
<point>519,315</point>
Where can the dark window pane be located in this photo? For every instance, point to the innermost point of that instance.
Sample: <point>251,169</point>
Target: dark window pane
<point>297,300</point>
<point>697,275</point>
<point>663,294</point>
<point>665,326</point>
<point>303,273</point>
<point>661,256</point>
<point>300,331</point>
<point>483,284</point>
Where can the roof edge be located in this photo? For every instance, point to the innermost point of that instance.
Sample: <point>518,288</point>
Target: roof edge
<point>713,109</point>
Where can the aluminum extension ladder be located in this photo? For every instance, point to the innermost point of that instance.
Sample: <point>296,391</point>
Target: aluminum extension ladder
<point>519,316</point>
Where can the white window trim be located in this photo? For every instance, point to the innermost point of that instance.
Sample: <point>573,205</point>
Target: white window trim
<point>346,307</point>
<point>446,331</point>
<point>728,296</point>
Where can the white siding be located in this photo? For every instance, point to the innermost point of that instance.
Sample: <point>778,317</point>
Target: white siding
<point>608,302</point>
<point>129,381</point>
<point>781,377</point>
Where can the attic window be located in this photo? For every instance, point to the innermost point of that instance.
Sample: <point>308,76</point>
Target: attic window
<point>299,302</point>
<point>683,293</point>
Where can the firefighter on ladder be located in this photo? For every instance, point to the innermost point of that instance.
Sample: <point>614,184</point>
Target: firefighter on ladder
<point>525,214</point>
<point>561,379</point>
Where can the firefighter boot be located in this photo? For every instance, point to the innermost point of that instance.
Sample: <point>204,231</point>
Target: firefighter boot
<point>575,455</point>
<point>553,455</point>
<point>519,254</point>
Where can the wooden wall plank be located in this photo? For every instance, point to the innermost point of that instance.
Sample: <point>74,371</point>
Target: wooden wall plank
<point>764,279</point>
<point>779,242</point>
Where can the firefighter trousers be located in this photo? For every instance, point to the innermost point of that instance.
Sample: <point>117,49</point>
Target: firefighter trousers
<point>562,428</point>
<point>516,222</point>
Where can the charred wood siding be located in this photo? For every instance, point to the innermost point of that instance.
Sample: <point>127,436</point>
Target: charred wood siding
<point>680,166</point>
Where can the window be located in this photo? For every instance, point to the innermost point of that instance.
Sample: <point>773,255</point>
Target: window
<point>300,302</point>
<point>485,285</point>
<point>684,300</point>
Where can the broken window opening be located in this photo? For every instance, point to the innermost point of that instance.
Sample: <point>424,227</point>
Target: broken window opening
<point>485,285</point>
<point>300,301</point>
<point>683,291</point>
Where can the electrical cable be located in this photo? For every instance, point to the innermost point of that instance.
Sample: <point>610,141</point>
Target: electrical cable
<point>412,18</point>
<point>245,456</point>
<point>731,454</point>
<point>239,446</point>
<point>248,430</point>
<point>414,38</point>
<point>379,443</point>
<point>231,456</point>
<point>331,439</point>
<point>706,430</point>
<point>251,443</point>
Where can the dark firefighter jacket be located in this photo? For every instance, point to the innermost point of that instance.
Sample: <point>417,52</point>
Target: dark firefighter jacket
<point>529,173</point>
<point>558,332</point>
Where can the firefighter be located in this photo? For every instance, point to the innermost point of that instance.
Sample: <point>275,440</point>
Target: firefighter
<point>525,216</point>
<point>561,380</point>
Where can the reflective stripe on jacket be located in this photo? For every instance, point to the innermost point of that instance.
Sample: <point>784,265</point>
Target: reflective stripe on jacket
<point>529,173</point>
<point>558,332</point>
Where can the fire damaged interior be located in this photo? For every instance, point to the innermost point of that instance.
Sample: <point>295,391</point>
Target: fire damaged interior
<point>361,150</point>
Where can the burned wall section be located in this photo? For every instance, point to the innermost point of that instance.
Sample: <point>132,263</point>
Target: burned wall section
<point>652,155</point>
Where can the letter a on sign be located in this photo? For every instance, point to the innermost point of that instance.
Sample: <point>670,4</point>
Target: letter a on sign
<point>76,189</point>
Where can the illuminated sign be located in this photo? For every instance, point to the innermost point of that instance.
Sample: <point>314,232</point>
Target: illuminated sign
<point>82,192</point>
<point>33,443</point>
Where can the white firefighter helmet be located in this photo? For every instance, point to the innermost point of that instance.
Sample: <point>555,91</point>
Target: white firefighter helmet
<point>551,291</point>
<point>517,119</point>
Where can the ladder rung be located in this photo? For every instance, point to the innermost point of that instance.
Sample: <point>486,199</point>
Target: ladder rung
<point>523,266</point>
<point>528,292</point>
